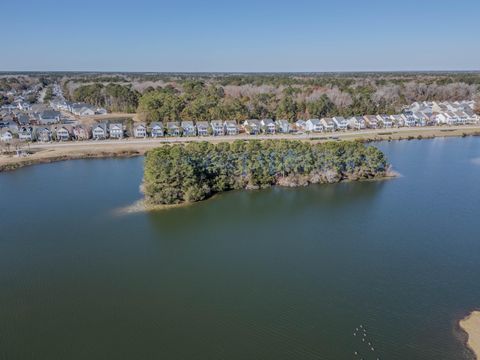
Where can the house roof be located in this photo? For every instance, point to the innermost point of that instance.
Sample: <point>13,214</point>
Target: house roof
<point>49,114</point>
<point>251,122</point>
<point>202,124</point>
<point>172,125</point>
<point>216,123</point>
<point>371,118</point>
<point>187,123</point>
<point>156,124</point>
<point>267,122</point>
<point>103,126</point>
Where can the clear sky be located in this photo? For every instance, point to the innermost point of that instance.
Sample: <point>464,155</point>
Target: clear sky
<point>241,35</point>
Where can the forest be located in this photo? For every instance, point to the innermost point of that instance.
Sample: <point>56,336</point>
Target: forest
<point>172,97</point>
<point>180,173</point>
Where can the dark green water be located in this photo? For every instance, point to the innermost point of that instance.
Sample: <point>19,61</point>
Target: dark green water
<point>275,274</point>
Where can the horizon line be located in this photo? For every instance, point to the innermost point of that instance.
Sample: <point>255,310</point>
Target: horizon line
<point>234,72</point>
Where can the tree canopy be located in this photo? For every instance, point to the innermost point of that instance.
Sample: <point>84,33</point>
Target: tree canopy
<point>186,173</point>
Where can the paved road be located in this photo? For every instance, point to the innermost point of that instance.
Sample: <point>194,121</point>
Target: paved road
<point>335,135</point>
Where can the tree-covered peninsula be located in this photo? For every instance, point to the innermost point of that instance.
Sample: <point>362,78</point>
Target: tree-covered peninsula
<point>186,173</point>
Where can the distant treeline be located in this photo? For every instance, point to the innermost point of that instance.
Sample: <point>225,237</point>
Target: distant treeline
<point>114,97</point>
<point>186,173</point>
<point>173,97</point>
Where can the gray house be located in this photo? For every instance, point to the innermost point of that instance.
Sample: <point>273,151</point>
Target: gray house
<point>231,127</point>
<point>25,133</point>
<point>340,122</point>
<point>188,128</point>
<point>99,131</point>
<point>252,126</point>
<point>156,129</point>
<point>173,128</point>
<point>43,134</point>
<point>116,131</point>
<point>283,126</point>
<point>140,130</point>
<point>63,133</point>
<point>328,124</point>
<point>268,126</point>
<point>202,128</point>
<point>217,128</point>
<point>48,117</point>
<point>314,125</point>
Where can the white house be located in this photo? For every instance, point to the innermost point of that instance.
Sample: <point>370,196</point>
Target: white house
<point>48,117</point>
<point>421,118</point>
<point>314,125</point>
<point>328,124</point>
<point>82,109</point>
<point>356,123</point>
<point>462,117</point>
<point>188,128</point>
<point>472,118</point>
<point>441,118</point>
<point>6,135</point>
<point>62,133</point>
<point>156,129</point>
<point>409,120</point>
<point>385,121</point>
<point>173,128</point>
<point>231,127</point>
<point>116,131</point>
<point>371,121</point>
<point>398,120</point>
<point>340,122</point>
<point>140,130</point>
<point>283,126</point>
<point>252,126</point>
<point>268,126</point>
<point>300,125</point>
<point>217,127</point>
<point>25,133</point>
<point>99,131</point>
<point>202,128</point>
<point>44,134</point>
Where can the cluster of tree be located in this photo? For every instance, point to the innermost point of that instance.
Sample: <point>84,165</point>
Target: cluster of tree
<point>48,94</point>
<point>17,83</point>
<point>184,96</point>
<point>113,97</point>
<point>199,101</point>
<point>186,173</point>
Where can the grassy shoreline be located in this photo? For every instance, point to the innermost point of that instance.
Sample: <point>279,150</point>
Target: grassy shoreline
<point>48,153</point>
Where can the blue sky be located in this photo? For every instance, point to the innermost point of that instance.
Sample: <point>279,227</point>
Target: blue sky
<point>242,35</point>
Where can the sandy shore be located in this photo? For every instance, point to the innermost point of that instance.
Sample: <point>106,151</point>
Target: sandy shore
<point>58,151</point>
<point>471,325</point>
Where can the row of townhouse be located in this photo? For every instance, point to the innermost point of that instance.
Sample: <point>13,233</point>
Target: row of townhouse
<point>80,109</point>
<point>214,128</point>
<point>407,119</point>
<point>439,107</point>
<point>48,131</point>
<point>60,132</point>
<point>37,114</point>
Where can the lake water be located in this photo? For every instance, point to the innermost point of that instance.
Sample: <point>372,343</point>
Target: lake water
<point>274,274</point>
